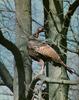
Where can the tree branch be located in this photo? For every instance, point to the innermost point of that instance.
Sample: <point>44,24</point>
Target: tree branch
<point>31,88</point>
<point>6,77</point>
<point>67,18</point>
<point>56,81</point>
<point>19,64</point>
<point>59,81</point>
<point>49,80</point>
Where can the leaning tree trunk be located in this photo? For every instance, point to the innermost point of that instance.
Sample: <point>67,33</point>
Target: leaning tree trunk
<point>54,14</point>
<point>23,30</point>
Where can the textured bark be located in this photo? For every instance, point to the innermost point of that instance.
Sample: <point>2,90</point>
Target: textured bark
<point>56,92</point>
<point>6,77</point>
<point>23,30</point>
<point>19,65</point>
<point>57,29</point>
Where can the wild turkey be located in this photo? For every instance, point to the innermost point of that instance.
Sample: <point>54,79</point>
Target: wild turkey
<point>43,52</point>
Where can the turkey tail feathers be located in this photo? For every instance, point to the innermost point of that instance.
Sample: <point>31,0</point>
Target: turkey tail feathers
<point>72,71</point>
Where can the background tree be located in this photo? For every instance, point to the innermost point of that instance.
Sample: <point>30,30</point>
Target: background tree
<point>54,13</point>
<point>23,30</point>
<point>57,32</point>
<point>57,29</point>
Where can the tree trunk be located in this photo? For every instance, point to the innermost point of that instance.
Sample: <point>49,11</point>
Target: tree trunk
<point>55,18</point>
<point>23,30</point>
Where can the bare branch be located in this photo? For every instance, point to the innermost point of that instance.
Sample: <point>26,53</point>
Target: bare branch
<point>6,77</point>
<point>67,18</point>
<point>49,80</point>
<point>19,64</point>
<point>57,81</point>
<point>60,81</point>
<point>69,49</point>
<point>31,88</point>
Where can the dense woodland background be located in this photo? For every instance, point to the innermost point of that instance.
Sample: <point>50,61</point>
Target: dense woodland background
<point>18,20</point>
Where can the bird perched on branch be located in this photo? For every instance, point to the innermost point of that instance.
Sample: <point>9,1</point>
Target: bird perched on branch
<point>43,52</point>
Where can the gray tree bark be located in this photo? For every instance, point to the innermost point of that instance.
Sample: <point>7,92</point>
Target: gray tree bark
<point>23,30</point>
<point>55,17</point>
